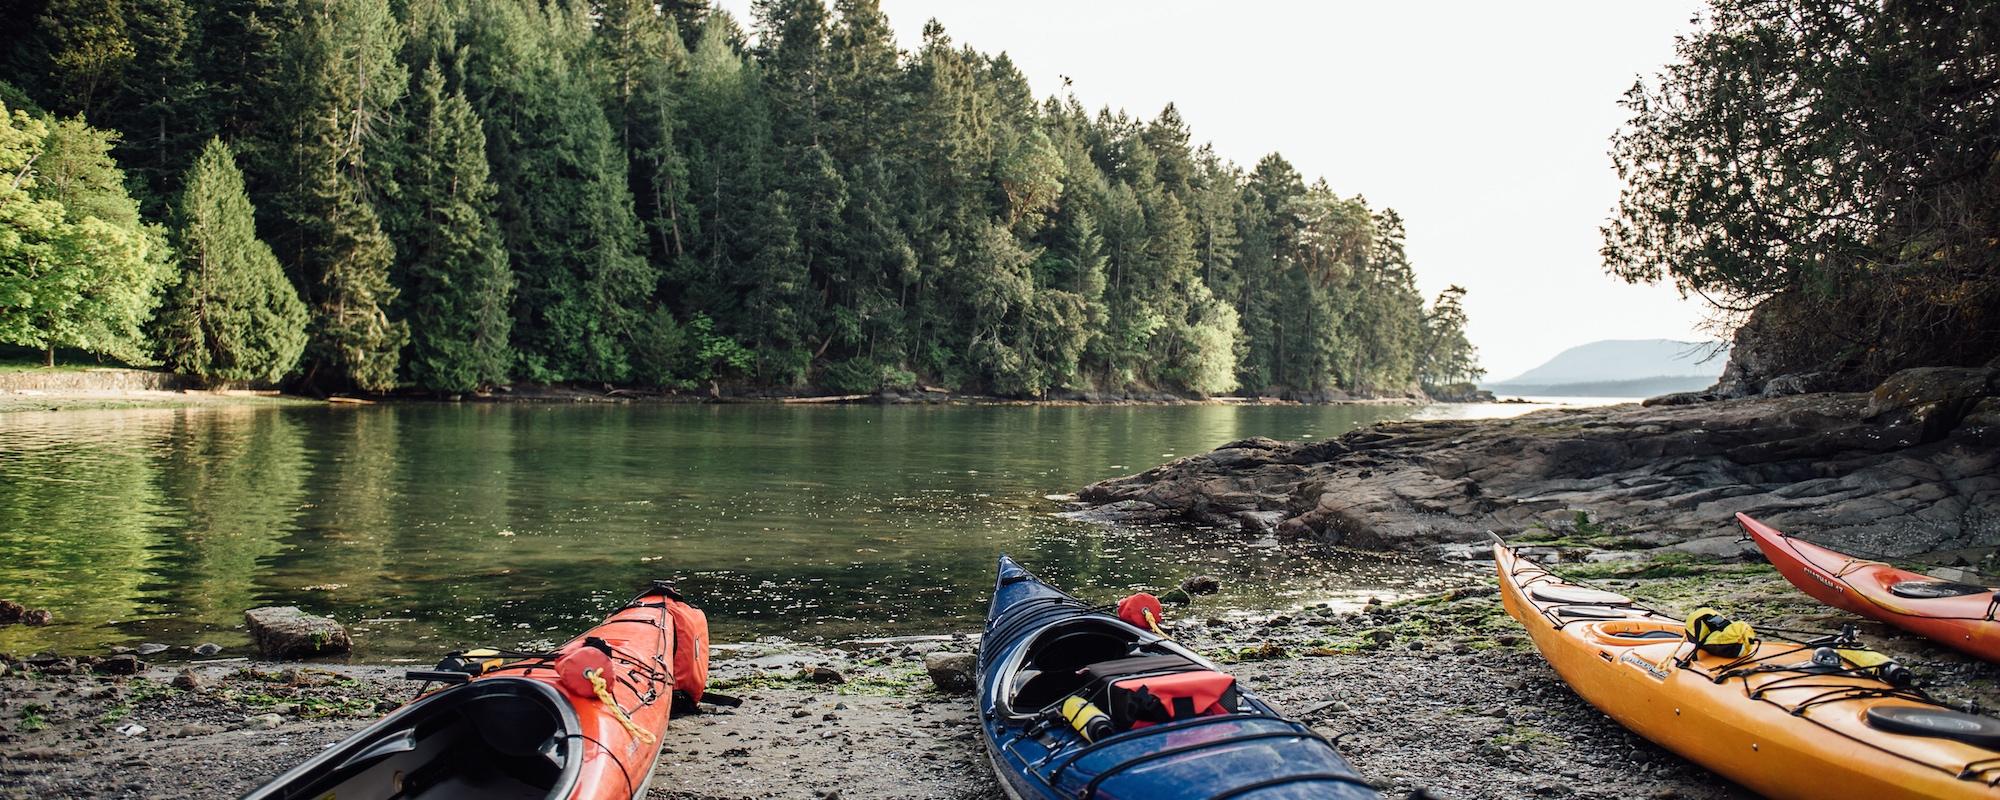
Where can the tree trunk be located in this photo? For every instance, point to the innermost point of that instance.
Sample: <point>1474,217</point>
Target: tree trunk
<point>49,356</point>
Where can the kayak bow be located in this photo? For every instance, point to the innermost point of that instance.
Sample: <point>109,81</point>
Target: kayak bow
<point>1958,615</point>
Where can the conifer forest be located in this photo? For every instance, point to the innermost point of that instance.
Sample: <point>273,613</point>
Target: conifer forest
<point>444,196</point>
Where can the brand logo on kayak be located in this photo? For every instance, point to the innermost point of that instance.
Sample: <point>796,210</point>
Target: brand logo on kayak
<point>1825,580</point>
<point>1657,672</point>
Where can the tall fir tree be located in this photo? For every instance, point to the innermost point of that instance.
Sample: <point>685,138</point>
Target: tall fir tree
<point>640,59</point>
<point>230,314</point>
<point>451,273</point>
<point>342,63</point>
<point>581,284</point>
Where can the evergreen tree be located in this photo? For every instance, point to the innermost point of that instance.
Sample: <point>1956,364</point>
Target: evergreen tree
<point>231,315</point>
<point>564,201</point>
<point>689,16</point>
<point>640,57</point>
<point>774,285</point>
<point>348,82</point>
<point>729,172</point>
<point>1447,356</point>
<point>451,274</point>
<point>247,82</point>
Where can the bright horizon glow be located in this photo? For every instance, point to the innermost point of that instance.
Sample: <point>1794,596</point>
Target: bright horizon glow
<point>1485,124</point>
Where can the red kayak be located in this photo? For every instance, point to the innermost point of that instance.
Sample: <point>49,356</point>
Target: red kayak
<point>582,721</point>
<point>1960,615</point>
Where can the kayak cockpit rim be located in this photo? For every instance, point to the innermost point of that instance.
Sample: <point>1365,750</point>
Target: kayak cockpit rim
<point>498,705</point>
<point>1003,687</point>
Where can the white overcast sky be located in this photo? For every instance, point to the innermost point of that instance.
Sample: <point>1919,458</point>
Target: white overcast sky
<point>1486,124</point>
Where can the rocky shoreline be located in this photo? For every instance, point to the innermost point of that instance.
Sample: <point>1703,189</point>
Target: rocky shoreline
<point>1438,696</point>
<point>1912,467</point>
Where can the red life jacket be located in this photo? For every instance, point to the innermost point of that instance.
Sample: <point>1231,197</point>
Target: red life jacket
<point>1164,698</point>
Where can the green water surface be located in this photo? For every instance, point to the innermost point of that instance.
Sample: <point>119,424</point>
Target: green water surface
<point>430,527</point>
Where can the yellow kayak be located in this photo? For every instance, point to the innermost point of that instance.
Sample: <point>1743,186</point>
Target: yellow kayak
<point>1786,719</point>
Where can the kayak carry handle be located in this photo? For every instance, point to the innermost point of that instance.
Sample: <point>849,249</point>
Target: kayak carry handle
<point>440,676</point>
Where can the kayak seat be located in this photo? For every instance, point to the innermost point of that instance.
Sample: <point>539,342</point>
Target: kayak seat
<point>1053,668</point>
<point>1937,723</point>
<point>1139,665</point>
<point>1930,590</point>
<point>492,738</point>
<point>1590,612</point>
<point>1070,651</point>
<point>1577,595</point>
<point>1035,690</point>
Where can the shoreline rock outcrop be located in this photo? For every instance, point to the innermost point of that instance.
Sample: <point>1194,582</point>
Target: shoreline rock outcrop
<point>285,632</point>
<point>1913,466</point>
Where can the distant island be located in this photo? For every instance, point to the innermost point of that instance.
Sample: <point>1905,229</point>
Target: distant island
<point>1620,368</point>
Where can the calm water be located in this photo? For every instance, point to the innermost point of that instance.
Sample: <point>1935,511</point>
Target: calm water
<point>430,527</point>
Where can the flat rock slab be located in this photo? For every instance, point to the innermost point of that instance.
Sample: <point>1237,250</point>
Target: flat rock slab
<point>1913,467</point>
<point>285,632</point>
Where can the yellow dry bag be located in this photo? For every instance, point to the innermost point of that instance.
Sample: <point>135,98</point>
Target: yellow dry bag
<point>1715,634</point>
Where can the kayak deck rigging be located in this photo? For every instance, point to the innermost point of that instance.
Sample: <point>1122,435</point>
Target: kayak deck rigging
<point>1848,696</point>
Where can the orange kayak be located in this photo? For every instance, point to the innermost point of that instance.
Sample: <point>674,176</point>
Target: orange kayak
<point>1786,719</point>
<point>582,722</point>
<point>1955,614</point>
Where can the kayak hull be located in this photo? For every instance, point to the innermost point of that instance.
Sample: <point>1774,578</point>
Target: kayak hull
<point>1964,622</point>
<point>1765,731</point>
<point>1252,753</point>
<point>518,730</point>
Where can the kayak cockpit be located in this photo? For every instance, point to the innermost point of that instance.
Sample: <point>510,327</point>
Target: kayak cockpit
<point>1053,663</point>
<point>498,738</point>
<point>1101,661</point>
<point>1092,708</point>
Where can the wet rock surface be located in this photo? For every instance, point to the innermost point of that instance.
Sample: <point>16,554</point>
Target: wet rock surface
<point>1912,467</point>
<point>285,632</point>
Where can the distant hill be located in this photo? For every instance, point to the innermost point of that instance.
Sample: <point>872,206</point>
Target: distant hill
<point>1620,368</point>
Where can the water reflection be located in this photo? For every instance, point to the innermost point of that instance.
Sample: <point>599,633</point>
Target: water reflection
<point>428,526</point>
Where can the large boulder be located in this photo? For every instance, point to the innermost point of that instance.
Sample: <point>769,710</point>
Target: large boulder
<point>953,673</point>
<point>285,632</point>
<point>1931,400</point>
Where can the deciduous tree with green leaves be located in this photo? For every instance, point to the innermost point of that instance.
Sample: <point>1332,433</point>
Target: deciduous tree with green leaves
<point>78,267</point>
<point>1832,163</point>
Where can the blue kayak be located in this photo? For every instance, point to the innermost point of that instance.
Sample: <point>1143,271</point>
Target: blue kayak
<point>1080,705</point>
